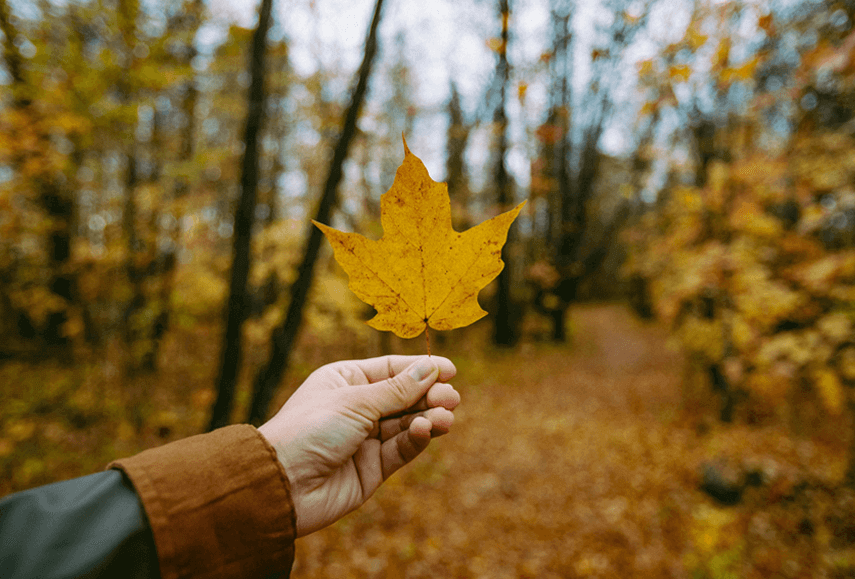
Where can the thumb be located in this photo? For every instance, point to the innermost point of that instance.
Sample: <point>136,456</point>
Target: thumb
<point>399,392</point>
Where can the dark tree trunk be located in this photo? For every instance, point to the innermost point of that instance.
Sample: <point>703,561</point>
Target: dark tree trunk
<point>455,163</point>
<point>230,359</point>
<point>59,206</point>
<point>134,273</point>
<point>705,133</point>
<point>721,386</point>
<point>849,477</point>
<point>505,330</point>
<point>136,268</point>
<point>577,173</point>
<point>285,334</point>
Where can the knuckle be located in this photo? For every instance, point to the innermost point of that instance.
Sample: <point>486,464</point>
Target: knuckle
<point>399,390</point>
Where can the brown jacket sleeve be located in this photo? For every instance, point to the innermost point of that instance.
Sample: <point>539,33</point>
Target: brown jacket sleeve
<point>219,505</point>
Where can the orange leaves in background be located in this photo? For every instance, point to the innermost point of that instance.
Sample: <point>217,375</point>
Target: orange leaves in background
<point>766,24</point>
<point>421,272</point>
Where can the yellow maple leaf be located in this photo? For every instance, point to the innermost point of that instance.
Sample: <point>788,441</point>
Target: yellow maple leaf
<point>421,272</point>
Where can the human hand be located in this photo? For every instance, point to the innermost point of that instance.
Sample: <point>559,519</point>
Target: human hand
<point>352,424</point>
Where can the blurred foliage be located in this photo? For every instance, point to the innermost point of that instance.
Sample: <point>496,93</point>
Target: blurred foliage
<point>120,150</point>
<point>748,251</point>
<point>118,119</point>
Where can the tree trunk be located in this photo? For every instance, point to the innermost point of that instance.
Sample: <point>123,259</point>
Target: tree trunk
<point>285,334</point>
<point>849,477</point>
<point>505,330</point>
<point>455,163</point>
<point>236,311</point>
<point>137,302</point>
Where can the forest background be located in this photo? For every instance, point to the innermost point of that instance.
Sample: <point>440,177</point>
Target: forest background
<point>690,162</point>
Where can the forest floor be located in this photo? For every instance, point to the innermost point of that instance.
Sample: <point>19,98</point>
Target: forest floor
<point>585,462</point>
<point>580,460</point>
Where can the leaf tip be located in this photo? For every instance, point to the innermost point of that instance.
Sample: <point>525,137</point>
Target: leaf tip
<point>406,148</point>
<point>321,226</point>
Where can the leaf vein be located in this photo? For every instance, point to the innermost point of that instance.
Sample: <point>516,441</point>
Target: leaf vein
<point>377,275</point>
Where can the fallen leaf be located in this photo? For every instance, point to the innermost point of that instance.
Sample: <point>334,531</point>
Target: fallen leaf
<point>421,272</point>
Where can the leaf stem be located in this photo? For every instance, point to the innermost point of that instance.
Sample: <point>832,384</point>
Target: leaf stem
<point>427,337</point>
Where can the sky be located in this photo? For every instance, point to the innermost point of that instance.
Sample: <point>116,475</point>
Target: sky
<point>445,40</point>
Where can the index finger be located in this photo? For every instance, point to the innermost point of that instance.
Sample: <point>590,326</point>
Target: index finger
<point>384,367</point>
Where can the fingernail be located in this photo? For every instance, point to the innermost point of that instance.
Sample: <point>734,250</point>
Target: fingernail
<point>422,370</point>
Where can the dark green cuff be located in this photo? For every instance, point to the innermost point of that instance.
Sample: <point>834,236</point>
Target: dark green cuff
<point>93,527</point>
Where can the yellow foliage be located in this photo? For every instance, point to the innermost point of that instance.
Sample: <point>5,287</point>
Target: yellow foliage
<point>846,363</point>
<point>333,308</point>
<point>199,291</point>
<point>703,337</point>
<point>734,240</point>
<point>694,38</point>
<point>743,72</point>
<point>72,123</point>
<point>762,300</point>
<point>276,250</point>
<point>750,218</point>
<point>769,385</point>
<point>744,336</point>
<point>819,275</point>
<point>689,200</point>
<point>722,54</point>
<point>256,331</point>
<point>830,390</point>
<point>679,72</point>
<point>73,328</point>
<point>38,301</point>
<point>645,68</point>
<point>495,44</point>
<point>782,347</point>
<point>836,327</point>
<point>20,430</point>
<point>648,108</point>
<point>712,528</point>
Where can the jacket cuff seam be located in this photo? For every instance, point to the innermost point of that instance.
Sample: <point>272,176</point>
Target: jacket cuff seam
<point>286,482</point>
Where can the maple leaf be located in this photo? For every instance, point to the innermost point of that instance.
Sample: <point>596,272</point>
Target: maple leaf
<point>421,272</point>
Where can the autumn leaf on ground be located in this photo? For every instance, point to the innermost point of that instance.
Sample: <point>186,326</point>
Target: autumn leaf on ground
<point>421,272</point>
